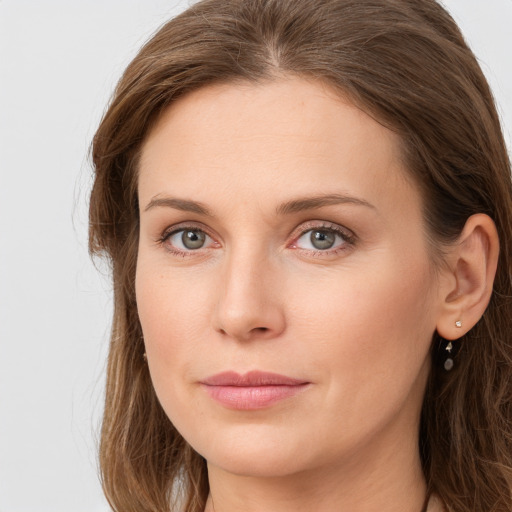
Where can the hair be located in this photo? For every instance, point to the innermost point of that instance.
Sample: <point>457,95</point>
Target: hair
<point>405,63</point>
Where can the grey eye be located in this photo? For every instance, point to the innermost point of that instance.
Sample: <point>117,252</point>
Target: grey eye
<point>187,240</point>
<point>321,239</point>
<point>193,239</point>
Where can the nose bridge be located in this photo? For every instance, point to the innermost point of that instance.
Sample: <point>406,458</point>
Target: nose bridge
<point>248,301</point>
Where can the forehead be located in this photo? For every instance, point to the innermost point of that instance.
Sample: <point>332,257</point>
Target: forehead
<point>289,136</point>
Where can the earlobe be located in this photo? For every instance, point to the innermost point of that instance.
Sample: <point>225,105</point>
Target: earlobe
<point>473,262</point>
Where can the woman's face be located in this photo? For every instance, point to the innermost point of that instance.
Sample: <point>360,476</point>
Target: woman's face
<point>283,283</point>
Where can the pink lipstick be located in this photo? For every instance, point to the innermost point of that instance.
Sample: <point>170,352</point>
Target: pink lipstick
<point>253,390</point>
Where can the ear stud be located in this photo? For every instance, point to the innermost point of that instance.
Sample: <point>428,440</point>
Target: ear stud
<point>458,324</point>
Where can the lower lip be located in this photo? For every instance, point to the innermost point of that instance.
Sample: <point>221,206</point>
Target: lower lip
<point>248,398</point>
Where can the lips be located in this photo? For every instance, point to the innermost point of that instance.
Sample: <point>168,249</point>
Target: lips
<point>253,390</point>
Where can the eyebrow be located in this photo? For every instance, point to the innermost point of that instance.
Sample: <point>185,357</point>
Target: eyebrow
<point>293,206</point>
<point>184,205</point>
<point>311,203</point>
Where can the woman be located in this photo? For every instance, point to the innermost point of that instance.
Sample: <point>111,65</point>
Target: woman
<point>307,206</point>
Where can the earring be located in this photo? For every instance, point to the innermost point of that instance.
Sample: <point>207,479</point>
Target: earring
<point>448,362</point>
<point>145,357</point>
<point>458,324</point>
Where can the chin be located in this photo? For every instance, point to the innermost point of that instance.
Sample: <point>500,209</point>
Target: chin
<point>262,464</point>
<point>252,453</point>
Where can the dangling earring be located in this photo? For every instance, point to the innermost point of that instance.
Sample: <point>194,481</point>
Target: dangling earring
<point>449,350</point>
<point>448,362</point>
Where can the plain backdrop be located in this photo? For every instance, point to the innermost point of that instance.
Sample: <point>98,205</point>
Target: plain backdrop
<point>59,62</point>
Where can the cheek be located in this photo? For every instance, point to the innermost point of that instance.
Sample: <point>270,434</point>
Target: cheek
<point>174,312</point>
<point>159,309</point>
<point>367,344</point>
<point>170,311</point>
<point>369,326</point>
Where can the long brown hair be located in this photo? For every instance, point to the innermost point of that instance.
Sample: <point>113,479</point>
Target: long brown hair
<point>405,63</point>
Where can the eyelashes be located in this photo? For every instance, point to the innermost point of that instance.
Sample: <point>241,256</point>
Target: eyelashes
<point>313,238</point>
<point>327,238</point>
<point>186,240</point>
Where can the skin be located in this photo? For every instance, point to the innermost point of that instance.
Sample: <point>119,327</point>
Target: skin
<point>355,321</point>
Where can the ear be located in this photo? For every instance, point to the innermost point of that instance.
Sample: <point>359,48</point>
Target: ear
<point>471,268</point>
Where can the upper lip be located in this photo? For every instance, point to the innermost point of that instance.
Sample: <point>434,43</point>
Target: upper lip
<point>251,379</point>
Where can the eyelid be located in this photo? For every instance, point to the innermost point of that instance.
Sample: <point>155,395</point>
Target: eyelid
<point>181,226</point>
<point>322,224</point>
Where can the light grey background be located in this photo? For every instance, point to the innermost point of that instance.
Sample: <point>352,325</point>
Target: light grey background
<point>59,61</point>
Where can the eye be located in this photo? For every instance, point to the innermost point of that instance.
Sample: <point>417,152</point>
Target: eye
<point>186,239</point>
<point>324,238</point>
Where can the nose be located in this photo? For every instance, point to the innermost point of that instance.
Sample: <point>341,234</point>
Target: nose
<point>249,302</point>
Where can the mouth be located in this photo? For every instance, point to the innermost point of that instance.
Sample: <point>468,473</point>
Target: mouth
<point>253,390</point>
